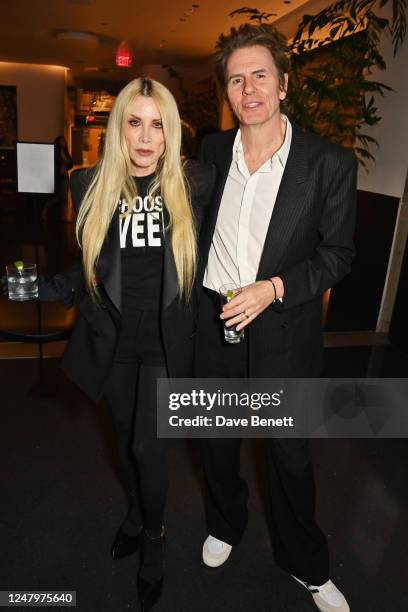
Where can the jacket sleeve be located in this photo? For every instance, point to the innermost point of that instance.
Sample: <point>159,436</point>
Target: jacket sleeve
<point>206,150</point>
<point>74,277</point>
<point>79,182</point>
<point>335,251</point>
<point>201,180</point>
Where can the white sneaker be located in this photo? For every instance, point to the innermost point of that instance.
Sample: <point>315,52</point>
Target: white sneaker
<point>215,552</point>
<point>326,597</point>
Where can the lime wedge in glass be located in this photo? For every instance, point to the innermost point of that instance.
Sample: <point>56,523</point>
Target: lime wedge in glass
<point>19,265</point>
<point>230,295</point>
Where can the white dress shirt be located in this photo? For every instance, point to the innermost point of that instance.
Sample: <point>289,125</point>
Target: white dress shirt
<point>243,218</point>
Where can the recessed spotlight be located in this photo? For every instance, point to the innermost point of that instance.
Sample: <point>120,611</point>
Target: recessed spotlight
<point>287,1</point>
<point>195,5</point>
<point>104,23</point>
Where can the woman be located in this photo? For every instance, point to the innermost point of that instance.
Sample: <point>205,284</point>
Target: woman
<point>138,216</point>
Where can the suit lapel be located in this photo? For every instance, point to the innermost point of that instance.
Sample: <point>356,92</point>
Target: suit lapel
<point>109,264</point>
<point>223,166</point>
<point>288,206</point>
<point>222,162</point>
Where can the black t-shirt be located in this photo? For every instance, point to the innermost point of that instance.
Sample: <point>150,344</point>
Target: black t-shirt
<point>141,235</point>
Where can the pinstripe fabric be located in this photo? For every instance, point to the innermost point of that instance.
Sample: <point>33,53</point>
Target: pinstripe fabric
<point>309,244</point>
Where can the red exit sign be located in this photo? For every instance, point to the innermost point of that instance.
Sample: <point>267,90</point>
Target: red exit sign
<point>123,56</point>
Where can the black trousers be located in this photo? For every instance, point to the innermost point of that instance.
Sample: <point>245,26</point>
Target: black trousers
<point>300,547</point>
<point>130,395</point>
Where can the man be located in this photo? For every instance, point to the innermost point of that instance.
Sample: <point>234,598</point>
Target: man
<point>281,225</point>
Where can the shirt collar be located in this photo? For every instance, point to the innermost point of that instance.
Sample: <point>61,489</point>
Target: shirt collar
<point>281,154</point>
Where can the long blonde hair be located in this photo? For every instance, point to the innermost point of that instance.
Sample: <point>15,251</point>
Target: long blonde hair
<point>112,179</point>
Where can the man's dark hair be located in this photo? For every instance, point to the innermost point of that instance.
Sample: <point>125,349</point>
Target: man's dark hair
<point>147,88</point>
<point>265,35</point>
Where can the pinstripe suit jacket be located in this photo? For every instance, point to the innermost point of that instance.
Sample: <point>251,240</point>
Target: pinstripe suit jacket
<point>309,244</point>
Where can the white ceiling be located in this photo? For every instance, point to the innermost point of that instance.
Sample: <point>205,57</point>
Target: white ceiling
<point>154,29</point>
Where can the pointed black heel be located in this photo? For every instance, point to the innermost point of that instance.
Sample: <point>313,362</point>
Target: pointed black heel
<point>125,545</point>
<point>150,592</point>
<point>150,578</point>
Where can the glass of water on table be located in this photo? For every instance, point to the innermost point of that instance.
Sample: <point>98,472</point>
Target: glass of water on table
<point>227,292</point>
<point>22,281</point>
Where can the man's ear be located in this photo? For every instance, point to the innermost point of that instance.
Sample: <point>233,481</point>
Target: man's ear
<point>283,90</point>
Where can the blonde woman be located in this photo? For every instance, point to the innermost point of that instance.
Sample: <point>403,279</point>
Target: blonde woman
<point>139,212</point>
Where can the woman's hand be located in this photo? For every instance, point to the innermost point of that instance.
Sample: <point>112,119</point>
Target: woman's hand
<point>56,289</point>
<point>245,306</point>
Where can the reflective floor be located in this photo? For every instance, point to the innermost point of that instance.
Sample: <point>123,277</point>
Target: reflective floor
<point>62,503</point>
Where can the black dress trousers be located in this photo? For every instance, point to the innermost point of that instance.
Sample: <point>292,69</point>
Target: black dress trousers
<point>299,545</point>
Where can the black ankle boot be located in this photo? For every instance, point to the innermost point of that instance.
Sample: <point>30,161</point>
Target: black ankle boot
<point>150,578</point>
<point>124,544</point>
<point>129,536</point>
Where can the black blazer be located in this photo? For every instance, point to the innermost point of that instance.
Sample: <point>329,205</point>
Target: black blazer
<point>89,354</point>
<point>309,244</point>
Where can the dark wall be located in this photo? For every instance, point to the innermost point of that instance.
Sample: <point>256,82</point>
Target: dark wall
<point>399,321</point>
<point>355,301</point>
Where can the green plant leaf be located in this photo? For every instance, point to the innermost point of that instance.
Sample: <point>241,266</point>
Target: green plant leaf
<point>331,75</point>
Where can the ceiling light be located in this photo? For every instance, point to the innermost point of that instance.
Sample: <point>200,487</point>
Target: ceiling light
<point>83,38</point>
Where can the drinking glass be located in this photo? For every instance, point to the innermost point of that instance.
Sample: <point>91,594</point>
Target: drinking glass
<point>22,282</point>
<point>227,292</point>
